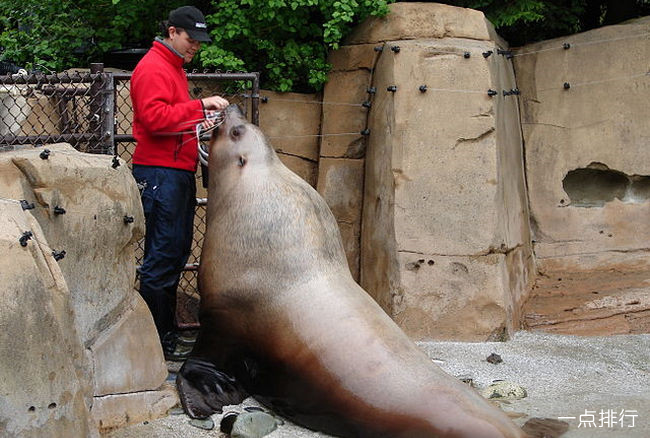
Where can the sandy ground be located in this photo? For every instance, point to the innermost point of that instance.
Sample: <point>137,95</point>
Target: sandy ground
<point>596,380</point>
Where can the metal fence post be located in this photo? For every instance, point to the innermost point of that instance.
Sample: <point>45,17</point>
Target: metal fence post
<point>97,104</point>
<point>255,100</point>
<point>109,118</point>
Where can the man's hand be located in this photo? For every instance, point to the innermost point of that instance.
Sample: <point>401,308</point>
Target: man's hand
<point>208,122</point>
<point>212,118</point>
<point>217,103</point>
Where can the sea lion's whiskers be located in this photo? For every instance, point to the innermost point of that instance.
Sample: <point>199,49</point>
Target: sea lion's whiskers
<point>218,117</point>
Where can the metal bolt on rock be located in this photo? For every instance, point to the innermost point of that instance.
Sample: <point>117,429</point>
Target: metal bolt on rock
<point>26,205</point>
<point>27,235</point>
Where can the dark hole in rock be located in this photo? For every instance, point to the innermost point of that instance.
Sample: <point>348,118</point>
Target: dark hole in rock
<point>459,268</point>
<point>594,187</point>
<point>412,266</point>
<point>597,184</point>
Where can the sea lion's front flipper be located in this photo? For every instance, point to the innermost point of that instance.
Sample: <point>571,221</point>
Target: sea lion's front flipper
<point>204,390</point>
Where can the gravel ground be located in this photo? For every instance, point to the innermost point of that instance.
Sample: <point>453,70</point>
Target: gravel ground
<point>593,379</point>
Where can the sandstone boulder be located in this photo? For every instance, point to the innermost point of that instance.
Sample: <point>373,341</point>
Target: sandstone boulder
<point>44,382</point>
<point>98,265</point>
<point>86,216</point>
<point>444,183</point>
<point>413,20</point>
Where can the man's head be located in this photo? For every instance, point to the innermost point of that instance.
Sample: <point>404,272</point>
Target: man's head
<point>186,29</point>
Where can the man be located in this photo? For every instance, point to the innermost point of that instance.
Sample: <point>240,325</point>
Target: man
<point>165,161</point>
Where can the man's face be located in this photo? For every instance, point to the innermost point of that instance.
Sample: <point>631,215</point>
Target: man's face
<point>183,44</point>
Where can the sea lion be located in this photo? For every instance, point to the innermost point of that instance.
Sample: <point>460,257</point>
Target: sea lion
<point>283,320</point>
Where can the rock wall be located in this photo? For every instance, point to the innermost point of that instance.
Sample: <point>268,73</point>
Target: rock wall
<point>588,169</point>
<point>44,381</point>
<point>587,156</point>
<point>291,122</point>
<point>77,321</point>
<point>444,229</point>
<point>445,233</point>
<point>343,146</point>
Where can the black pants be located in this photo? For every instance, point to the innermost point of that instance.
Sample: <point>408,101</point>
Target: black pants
<point>169,202</point>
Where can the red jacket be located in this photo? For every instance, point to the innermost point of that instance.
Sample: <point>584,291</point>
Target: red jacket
<point>164,116</point>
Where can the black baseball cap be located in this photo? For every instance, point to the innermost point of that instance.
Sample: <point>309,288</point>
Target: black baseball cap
<point>192,21</point>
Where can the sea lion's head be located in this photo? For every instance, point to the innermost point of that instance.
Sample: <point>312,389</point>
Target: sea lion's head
<point>238,144</point>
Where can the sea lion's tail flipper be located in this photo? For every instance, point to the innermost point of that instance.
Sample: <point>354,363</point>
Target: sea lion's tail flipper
<point>204,390</point>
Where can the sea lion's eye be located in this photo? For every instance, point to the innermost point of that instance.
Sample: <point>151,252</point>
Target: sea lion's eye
<point>242,161</point>
<point>237,131</point>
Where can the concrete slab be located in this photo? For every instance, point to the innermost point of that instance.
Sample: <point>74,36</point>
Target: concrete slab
<point>588,378</point>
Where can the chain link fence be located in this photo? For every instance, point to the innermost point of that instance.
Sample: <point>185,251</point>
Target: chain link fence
<point>92,111</point>
<point>76,108</point>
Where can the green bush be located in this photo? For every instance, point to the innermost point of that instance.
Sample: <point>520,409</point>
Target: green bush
<point>59,34</point>
<point>286,40</point>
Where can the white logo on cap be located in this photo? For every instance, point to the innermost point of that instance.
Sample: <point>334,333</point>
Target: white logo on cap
<point>201,25</point>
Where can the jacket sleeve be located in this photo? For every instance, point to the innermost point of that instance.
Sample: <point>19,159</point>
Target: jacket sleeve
<point>152,94</point>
